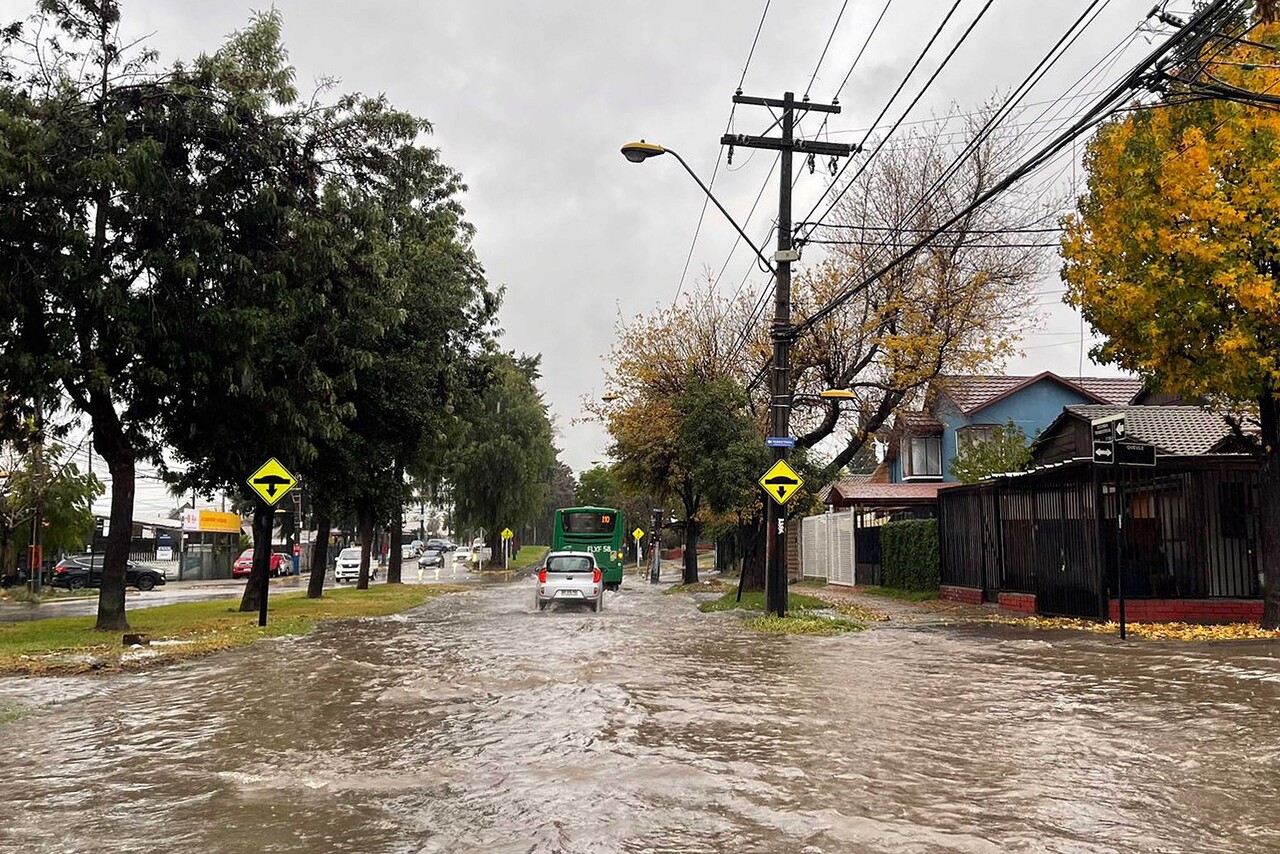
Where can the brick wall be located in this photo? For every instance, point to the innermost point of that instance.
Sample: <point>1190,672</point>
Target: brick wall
<point>1018,603</point>
<point>972,595</point>
<point>1188,610</point>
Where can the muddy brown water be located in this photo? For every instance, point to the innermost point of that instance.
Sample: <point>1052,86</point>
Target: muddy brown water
<point>476,724</point>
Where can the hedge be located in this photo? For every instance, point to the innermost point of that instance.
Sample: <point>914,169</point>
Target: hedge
<point>909,554</point>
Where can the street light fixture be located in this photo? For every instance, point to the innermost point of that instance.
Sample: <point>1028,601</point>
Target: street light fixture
<point>610,397</point>
<point>638,152</point>
<point>836,394</point>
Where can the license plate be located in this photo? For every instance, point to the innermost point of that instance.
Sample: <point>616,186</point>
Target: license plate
<point>572,594</point>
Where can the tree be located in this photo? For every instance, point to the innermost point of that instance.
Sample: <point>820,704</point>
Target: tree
<point>1172,252</point>
<point>1005,450</point>
<point>671,370</point>
<point>498,471</point>
<point>67,495</point>
<point>957,306</point>
<point>597,488</point>
<point>85,173</point>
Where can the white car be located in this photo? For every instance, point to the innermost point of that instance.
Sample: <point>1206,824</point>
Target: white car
<point>348,566</point>
<point>569,577</point>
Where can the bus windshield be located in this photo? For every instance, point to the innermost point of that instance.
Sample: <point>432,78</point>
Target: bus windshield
<point>589,523</point>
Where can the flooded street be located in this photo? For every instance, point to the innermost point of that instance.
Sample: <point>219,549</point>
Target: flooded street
<point>477,724</point>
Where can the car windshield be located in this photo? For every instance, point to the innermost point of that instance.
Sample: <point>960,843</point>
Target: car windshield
<point>350,554</point>
<point>246,554</point>
<point>568,563</point>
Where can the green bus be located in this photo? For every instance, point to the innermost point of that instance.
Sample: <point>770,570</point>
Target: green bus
<point>598,530</point>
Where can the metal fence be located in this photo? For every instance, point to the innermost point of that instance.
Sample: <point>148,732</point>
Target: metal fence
<point>1189,531</point>
<point>827,547</point>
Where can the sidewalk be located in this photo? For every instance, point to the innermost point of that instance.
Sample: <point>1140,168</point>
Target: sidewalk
<point>898,610</point>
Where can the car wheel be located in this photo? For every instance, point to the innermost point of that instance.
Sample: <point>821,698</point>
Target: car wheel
<point>542,606</point>
<point>598,605</point>
<point>146,582</point>
<point>75,584</point>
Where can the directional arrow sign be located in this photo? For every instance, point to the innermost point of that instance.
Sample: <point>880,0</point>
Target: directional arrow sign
<point>781,482</point>
<point>1104,452</point>
<point>272,481</point>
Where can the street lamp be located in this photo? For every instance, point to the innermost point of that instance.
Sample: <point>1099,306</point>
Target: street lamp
<point>638,152</point>
<point>610,397</point>
<point>836,394</point>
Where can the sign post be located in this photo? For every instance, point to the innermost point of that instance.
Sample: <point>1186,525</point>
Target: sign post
<point>655,546</point>
<point>272,482</point>
<point>507,534</point>
<point>638,535</point>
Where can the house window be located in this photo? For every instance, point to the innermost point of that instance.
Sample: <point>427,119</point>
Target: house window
<point>925,457</point>
<point>974,433</point>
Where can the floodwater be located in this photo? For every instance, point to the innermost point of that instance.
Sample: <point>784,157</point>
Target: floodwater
<point>478,724</point>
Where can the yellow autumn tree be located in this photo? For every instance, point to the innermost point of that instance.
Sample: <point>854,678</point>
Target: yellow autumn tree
<point>1174,251</point>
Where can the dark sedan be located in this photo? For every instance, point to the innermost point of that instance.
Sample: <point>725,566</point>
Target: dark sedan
<point>86,571</point>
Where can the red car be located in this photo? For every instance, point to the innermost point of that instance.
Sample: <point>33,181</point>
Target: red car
<point>281,564</point>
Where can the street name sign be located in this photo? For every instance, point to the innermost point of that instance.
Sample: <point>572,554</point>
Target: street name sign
<point>638,533</point>
<point>1135,454</point>
<point>507,533</point>
<point>779,442</point>
<point>272,481</point>
<point>781,482</point>
<point>1104,452</point>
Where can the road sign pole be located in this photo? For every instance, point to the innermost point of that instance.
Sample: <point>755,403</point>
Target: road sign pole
<point>264,582</point>
<point>655,546</point>
<point>1120,500</point>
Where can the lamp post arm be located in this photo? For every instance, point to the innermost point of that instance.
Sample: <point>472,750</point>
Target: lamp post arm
<point>768,264</point>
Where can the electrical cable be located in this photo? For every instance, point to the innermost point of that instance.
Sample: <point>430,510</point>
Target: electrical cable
<point>697,230</point>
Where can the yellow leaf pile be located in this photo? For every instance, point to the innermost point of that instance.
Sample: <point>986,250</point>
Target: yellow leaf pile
<point>1148,631</point>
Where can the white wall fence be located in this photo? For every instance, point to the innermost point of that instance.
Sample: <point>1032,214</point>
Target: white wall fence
<point>826,547</point>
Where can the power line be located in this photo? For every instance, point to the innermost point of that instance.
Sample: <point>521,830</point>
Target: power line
<point>697,230</point>
<point>1189,37</point>
<point>823,55</point>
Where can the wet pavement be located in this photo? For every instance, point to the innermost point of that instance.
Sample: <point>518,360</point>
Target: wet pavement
<point>477,724</point>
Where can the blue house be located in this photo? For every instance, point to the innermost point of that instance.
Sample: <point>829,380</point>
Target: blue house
<point>960,409</point>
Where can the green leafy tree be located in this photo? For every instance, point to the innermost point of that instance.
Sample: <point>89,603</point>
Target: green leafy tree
<point>90,153</point>
<point>67,495</point>
<point>1006,450</point>
<point>499,470</point>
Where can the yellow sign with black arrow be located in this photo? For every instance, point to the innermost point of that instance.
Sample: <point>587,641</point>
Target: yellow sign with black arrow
<point>272,481</point>
<point>781,482</point>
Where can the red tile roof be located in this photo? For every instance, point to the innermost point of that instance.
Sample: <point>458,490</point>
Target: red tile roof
<point>974,392</point>
<point>885,494</point>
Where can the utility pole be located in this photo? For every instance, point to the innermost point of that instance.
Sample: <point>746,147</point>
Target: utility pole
<point>775,586</point>
<point>655,546</point>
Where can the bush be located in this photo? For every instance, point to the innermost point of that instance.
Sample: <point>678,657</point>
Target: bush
<point>909,554</point>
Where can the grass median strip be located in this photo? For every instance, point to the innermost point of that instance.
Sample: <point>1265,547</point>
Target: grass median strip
<point>901,595</point>
<point>806,615</point>
<point>71,644</point>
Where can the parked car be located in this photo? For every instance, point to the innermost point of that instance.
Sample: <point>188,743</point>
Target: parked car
<point>80,571</point>
<point>418,547</point>
<point>431,557</point>
<point>348,566</point>
<point>569,577</point>
<point>281,564</point>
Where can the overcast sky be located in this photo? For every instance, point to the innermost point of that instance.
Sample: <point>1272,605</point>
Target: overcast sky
<point>531,100</point>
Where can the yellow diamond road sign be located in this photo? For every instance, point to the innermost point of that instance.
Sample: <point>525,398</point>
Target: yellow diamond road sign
<point>638,533</point>
<point>272,482</point>
<point>507,533</point>
<point>781,482</point>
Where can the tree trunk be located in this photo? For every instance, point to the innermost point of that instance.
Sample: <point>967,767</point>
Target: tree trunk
<point>753,555</point>
<point>1269,511</point>
<point>395,556</point>
<point>690,550</point>
<point>319,557</point>
<point>110,441</point>
<point>364,523</point>
<point>494,544</point>
<point>263,516</point>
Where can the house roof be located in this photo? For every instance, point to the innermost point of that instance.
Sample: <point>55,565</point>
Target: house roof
<point>847,482</point>
<point>885,494</point>
<point>1174,430</point>
<point>921,423</point>
<point>974,392</point>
